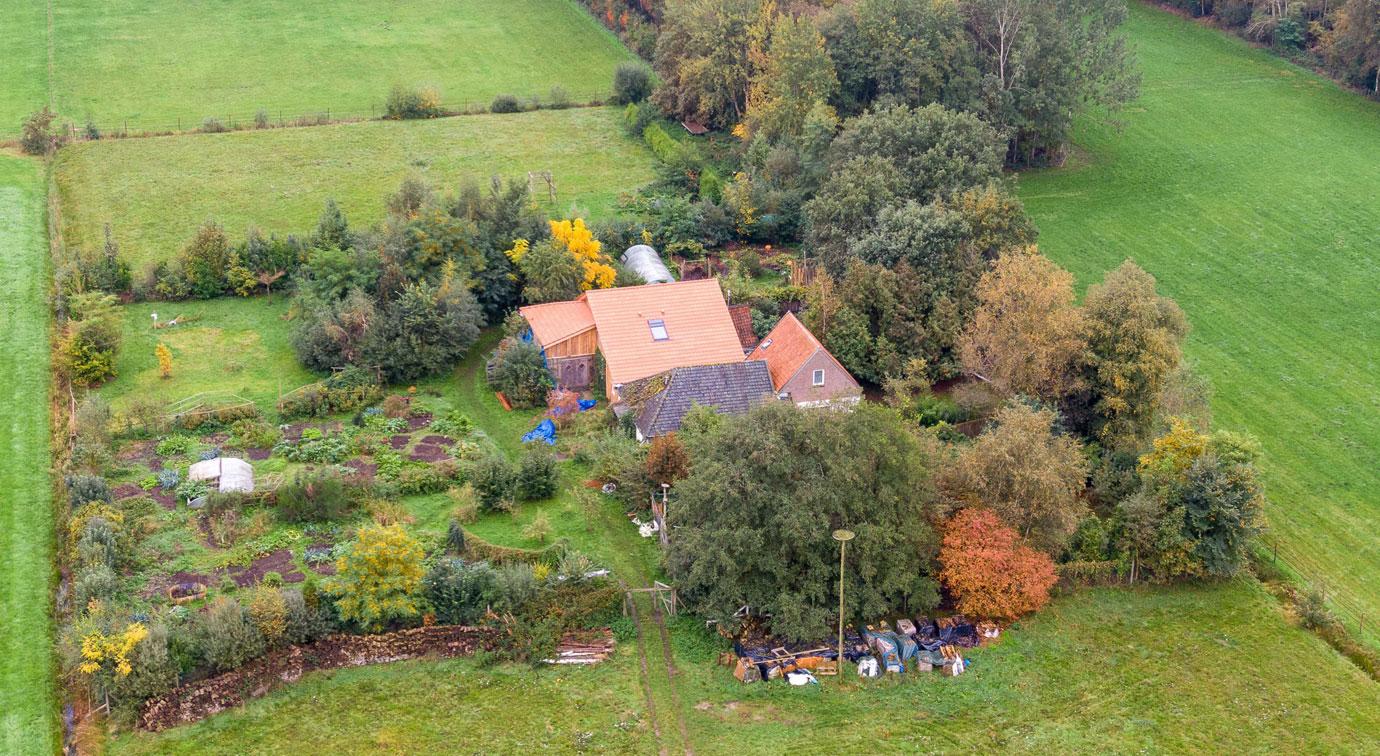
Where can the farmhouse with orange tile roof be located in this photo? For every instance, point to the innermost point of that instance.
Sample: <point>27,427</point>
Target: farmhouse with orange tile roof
<point>640,331</point>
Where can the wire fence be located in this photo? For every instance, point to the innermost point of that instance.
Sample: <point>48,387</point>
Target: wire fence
<point>266,118</point>
<point>1347,612</point>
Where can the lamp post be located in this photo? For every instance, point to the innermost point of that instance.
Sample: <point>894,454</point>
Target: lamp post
<point>843,537</point>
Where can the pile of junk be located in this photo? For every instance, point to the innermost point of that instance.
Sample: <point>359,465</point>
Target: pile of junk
<point>921,645</point>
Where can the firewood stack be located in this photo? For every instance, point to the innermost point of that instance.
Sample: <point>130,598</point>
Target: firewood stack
<point>584,647</point>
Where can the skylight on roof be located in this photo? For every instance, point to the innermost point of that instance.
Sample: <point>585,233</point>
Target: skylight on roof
<point>658,330</point>
<point>765,344</point>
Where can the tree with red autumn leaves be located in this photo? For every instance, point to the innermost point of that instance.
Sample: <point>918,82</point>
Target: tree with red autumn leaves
<point>988,569</point>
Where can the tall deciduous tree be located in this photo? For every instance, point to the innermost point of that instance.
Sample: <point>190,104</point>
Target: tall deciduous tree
<point>1044,62</point>
<point>796,76</point>
<point>1027,333</point>
<point>707,55</point>
<point>1026,473</point>
<point>914,52</point>
<point>754,517</point>
<point>1135,339</point>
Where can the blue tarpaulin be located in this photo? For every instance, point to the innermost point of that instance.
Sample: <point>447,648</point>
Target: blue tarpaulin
<point>545,432</point>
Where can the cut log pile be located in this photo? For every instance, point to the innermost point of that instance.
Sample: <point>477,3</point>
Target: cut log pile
<point>584,647</point>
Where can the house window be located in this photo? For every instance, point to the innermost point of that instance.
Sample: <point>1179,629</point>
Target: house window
<point>658,330</point>
<point>818,378</point>
<point>765,344</point>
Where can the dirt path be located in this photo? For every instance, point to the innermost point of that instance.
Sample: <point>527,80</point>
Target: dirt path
<point>658,679</point>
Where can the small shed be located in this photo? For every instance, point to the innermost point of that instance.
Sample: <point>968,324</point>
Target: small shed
<point>645,262</point>
<point>229,473</point>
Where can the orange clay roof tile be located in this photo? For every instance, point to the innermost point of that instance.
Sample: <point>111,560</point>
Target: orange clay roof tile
<point>699,330</point>
<point>557,321</point>
<point>786,348</point>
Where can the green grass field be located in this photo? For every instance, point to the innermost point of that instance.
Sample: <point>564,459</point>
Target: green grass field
<point>1106,671</point>
<point>162,65</point>
<point>1251,190</point>
<point>27,698</point>
<point>231,346</point>
<point>155,192</point>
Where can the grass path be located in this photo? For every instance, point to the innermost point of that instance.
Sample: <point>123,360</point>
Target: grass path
<point>27,695</point>
<point>1250,188</point>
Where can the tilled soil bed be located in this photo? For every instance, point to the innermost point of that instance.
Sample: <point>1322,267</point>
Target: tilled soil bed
<point>196,701</point>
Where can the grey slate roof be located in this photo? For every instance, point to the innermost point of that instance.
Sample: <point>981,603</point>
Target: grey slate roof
<point>731,388</point>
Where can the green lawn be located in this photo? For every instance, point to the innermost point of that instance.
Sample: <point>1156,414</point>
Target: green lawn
<point>231,346</point>
<point>1171,670</point>
<point>160,64</point>
<point>27,700</point>
<point>155,192</point>
<point>426,707</point>
<point>24,76</point>
<point>1251,190</point>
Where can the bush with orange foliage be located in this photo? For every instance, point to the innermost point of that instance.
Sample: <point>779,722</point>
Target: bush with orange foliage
<point>667,460</point>
<point>562,406</point>
<point>989,570</point>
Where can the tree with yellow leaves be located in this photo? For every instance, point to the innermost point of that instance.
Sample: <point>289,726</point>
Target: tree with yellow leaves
<point>380,578</point>
<point>557,269</point>
<point>99,649</point>
<point>164,355</point>
<point>579,241</point>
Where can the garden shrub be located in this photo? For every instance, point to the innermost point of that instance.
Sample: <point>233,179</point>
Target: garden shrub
<point>268,610</point>
<point>314,497</point>
<point>505,103</point>
<point>306,621</point>
<point>539,529</point>
<point>91,338</point>
<point>96,581</point>
<point>465,501</point>
<point>153,673</point>
<point>379,579</point>
<point>396,406</point>
<point>168,479</point>
<point>461,593</point>
<point>632,83</point>
<point>427,478</point>
<point>989,569</point>
<point>40,135</point>
<point>518,370</point>
<point>455,537</point>
<point>537,475</point>
<point>494,481</point>
<point>254,433</point>
<point>98,544</point>
<point>82,489</point>
<point>518,584</point>
<point>227,636</point>
<point>405,103</point>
